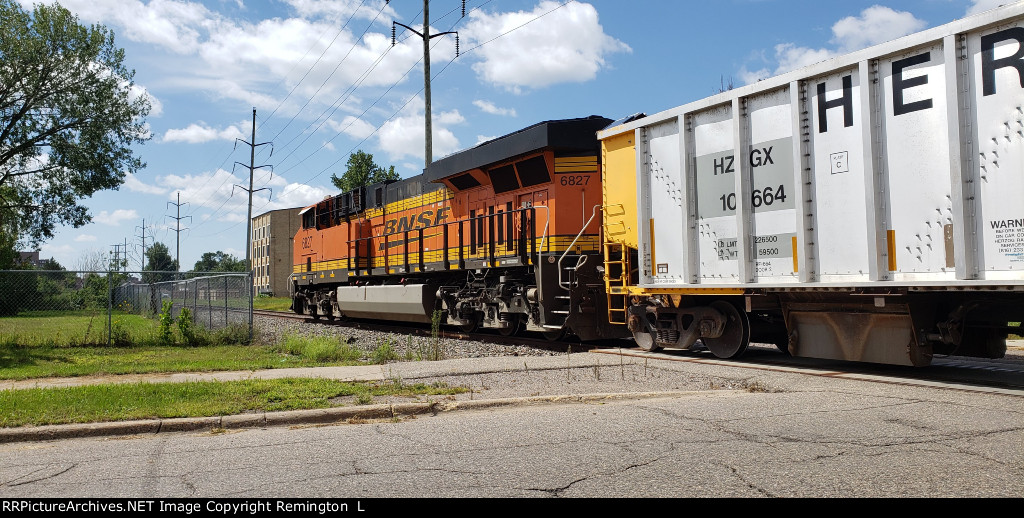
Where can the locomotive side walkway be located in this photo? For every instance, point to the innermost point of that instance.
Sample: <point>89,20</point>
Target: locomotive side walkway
<point>590,377</point>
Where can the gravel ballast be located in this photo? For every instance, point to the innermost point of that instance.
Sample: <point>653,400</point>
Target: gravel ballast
<point>416,345</point>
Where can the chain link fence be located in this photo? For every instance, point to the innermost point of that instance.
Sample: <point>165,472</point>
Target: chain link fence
<point>212,301</point>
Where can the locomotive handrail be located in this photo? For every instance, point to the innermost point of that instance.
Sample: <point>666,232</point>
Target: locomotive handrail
<point>561,284</point>
<point>527,249</point>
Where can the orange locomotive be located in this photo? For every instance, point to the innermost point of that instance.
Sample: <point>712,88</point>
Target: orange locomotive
<point>504,235</point>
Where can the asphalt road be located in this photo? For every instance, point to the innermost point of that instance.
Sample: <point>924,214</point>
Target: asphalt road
<point>586,425</point>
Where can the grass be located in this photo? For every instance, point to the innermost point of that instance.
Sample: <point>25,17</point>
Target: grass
<point>321,349</point>
<point>18,362</point>
<point>272,303</point>
<point>87,404</point>
<point>75,328</point>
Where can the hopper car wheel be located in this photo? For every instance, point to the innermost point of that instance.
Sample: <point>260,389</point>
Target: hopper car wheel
<point>515,326</point>
<point>645,340</point>
<point>554,335</point>
<point>736,335</point>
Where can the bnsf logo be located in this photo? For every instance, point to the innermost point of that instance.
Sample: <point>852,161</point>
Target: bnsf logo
<point>424,219</point>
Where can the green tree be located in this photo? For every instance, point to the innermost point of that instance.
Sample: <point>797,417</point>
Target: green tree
<point>362,171</point>
<point>158,259</point>
<point>68,119</point>
<point>219,262</point>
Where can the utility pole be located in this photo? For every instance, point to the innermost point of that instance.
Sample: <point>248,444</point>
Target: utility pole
<point>177,245</point>
<point>248,220</point>
<point>112,265</point>
<point>428,153</point>
<point>143,227</point>
<point>115,266</point>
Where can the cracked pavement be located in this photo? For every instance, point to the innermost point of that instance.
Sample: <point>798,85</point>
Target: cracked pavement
<point>710,429</point>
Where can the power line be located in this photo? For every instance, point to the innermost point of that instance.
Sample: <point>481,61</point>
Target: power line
<point>328,78</point>
<point>379,98</point>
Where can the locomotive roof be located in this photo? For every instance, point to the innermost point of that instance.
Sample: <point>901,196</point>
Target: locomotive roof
<point>566,135</point>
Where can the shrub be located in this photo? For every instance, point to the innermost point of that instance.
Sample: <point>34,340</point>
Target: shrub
<point>385,352</point>
<point>166,322</point>
<point>190,334</point>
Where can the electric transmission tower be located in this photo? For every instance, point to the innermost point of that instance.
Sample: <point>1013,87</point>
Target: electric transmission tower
<point>143,237</point>
<point>178,218</point>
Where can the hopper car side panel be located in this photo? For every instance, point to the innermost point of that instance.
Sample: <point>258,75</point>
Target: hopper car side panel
<point>864,208</point>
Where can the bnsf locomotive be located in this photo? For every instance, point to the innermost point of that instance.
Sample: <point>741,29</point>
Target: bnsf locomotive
<point>864,208</point>
<point>505,235</point>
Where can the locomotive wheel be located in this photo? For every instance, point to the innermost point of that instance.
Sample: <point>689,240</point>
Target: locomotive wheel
<point>514,327</point>
<point>470,327</point>
<point>735,337</point>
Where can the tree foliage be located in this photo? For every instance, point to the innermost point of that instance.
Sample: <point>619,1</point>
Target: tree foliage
<point>68,119</point>
<point>219,262</point>
<point>362,171</point>
<point>158,259</point>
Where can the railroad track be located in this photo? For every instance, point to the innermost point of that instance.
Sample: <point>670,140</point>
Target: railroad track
<point>1005,373</point>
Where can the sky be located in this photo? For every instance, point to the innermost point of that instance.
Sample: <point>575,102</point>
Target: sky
<point>325,81</point>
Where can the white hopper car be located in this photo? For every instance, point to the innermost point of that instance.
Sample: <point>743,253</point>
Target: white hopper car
<point>874,211</point>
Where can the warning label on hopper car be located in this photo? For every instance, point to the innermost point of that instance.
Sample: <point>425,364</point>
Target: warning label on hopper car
<point>1009,238</point>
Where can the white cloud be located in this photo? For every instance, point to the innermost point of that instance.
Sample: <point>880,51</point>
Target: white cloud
<point>115,218</point>
<point>62,253</point>
<point>339,10</point>
<point>237,59</point>
<point>876,24</point>
<point>489,107</point>
<point>403,135</point>
<point>979,6</point>
<point>208,190</point>
<point>790,57</point>
<point>748,76</point>
<point>353,127</point>
<point>85,238</point>
<point>217,191</point>
<point>135,185</point>
<point>175,25</point>
<point>199,133</point>
<point>546,46</point>
<point>480,139</point>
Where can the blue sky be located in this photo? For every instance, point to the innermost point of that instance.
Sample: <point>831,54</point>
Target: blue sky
<point>325,81</point>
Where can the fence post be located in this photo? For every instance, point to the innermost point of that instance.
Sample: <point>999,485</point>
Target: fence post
<point>250,290</point>
<point>110,309</point>
<point>225,301</point>
<point>209,301</point>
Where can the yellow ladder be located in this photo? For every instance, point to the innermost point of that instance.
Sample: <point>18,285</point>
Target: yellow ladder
<point>616,272</point>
